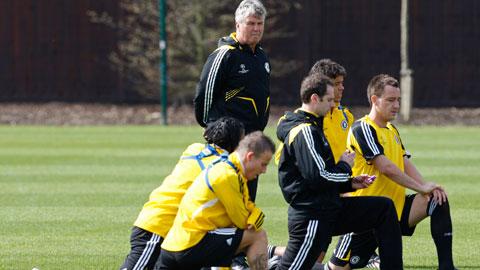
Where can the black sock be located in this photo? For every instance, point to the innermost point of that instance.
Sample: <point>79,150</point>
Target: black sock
<point>441,229</point>
<point>271,251</point>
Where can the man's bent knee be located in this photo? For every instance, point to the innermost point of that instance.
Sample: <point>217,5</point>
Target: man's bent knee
<point>251,237</point>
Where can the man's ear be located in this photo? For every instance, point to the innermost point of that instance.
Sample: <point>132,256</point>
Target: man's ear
<point>315,97</point>
<point>249,156</point>
<point>373,99</point>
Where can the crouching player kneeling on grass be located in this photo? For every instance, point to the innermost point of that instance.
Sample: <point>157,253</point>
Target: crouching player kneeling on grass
<point>216,218</point>
<point>311,183</point>
<point>158,214</point>
<point>380,151</point>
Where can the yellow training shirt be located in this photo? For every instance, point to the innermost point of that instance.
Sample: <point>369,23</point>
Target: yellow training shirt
<point>368,140</point>
<point>159,212</point>
<point>218,198</point>
<point>336,124</point>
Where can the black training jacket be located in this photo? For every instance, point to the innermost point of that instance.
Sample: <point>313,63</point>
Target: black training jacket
<point>308,176</point>
<point>234,82</point>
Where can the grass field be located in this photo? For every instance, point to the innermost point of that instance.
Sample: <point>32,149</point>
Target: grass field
<point>69,195</point>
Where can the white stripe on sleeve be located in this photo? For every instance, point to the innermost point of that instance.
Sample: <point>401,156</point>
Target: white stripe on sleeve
<point>369,138</point>
<point>212,75</point>
<point>334,177</point>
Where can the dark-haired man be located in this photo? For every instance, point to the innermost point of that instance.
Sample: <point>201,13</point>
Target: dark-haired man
<point>338,120</point>
<point>311,183</point>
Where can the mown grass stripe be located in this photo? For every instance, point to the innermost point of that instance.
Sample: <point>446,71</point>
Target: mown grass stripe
<point>69,195</point>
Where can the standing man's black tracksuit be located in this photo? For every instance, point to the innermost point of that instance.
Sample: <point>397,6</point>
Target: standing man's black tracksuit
<point>311,183</point>
<point>235,82</point>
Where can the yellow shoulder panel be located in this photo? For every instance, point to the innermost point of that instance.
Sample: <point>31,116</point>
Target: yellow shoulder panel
<point>294,132</point>
<point>225,47</point>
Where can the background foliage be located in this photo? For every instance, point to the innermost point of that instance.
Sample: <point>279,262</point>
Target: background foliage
<point>193,27</point>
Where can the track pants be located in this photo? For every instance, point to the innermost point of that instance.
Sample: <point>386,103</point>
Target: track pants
<point>145,250</point>
<point>308,237</point>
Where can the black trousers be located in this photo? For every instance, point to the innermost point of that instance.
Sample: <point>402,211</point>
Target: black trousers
<point>308,237</point>
<point>145,250</point>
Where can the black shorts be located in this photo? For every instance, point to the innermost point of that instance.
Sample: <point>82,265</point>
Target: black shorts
<point>145,250</point>
<point>357,248</point>
<point>217,248</point>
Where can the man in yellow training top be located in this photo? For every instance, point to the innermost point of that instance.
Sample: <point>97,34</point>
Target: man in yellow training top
<point>380,151</point>
<point>338,119</point>
<point>158,214</point>
<point>216,219</point>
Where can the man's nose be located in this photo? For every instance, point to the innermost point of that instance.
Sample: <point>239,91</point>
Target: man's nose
<point>397,104</point>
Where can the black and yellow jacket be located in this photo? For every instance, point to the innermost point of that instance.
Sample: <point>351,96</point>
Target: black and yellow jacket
<point>235,81</point>
<point>308,176</point>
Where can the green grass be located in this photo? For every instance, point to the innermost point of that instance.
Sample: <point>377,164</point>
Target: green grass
<point>69,195</point>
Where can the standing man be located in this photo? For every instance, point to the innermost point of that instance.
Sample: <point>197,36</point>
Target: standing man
<point>216,218</point>
<point>235,80</point>
<point>338,119</point>
<point>158,214</point>
<point>311,183</point>
<point>380,151</point>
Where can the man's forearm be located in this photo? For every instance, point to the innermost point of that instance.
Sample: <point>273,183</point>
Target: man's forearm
<point>385,166</point>
<point>412,171</point>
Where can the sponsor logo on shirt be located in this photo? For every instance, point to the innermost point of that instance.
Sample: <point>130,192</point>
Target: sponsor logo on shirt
<point>242,69</point>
